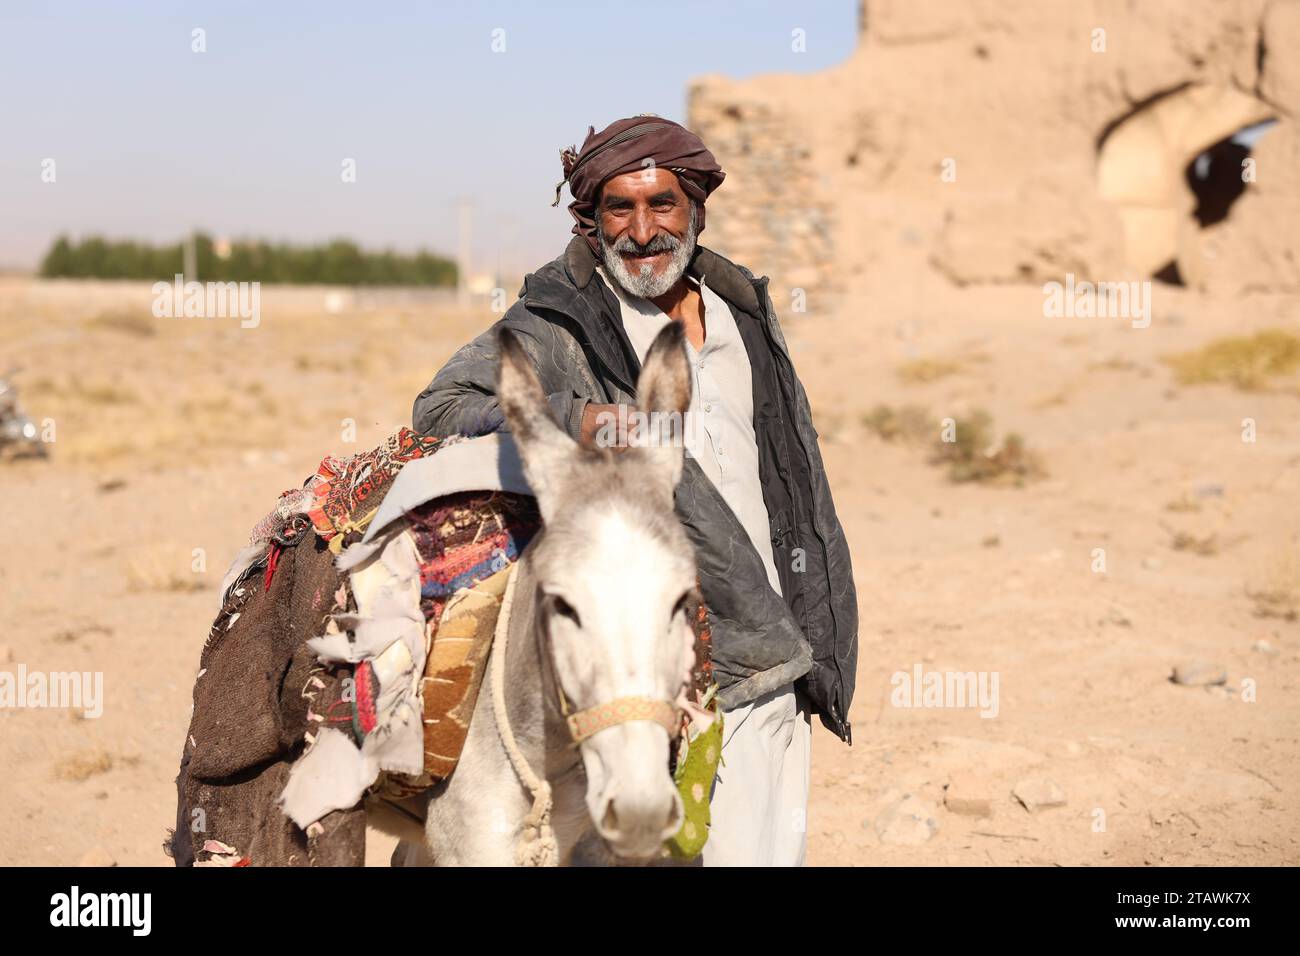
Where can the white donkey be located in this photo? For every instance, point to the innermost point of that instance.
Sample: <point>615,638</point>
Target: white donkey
<point>598,648</point>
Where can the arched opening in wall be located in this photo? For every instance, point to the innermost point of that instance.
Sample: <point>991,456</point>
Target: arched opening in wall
<point>1173,166</point>
<point>1219,176</point>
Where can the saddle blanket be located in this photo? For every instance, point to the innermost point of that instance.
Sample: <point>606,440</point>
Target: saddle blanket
<point>423,534</point>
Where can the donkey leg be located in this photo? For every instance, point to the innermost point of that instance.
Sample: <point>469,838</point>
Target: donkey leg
<point>476,816</point>
<point>462,834</point>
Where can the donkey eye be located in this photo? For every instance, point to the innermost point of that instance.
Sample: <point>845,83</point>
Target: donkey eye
<point>564,609</point>
<point>683,605</point>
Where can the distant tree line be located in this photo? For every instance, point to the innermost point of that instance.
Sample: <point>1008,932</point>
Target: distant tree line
<point>338,262</point>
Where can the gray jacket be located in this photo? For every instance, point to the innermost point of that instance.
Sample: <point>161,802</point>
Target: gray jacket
<point>570,323</point>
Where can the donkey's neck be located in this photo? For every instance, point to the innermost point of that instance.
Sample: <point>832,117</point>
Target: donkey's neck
<point>532,700</point>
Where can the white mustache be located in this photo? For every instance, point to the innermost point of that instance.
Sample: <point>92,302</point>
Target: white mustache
<point>660,243</point>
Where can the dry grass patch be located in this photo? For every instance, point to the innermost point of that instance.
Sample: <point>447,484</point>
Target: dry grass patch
<point>359,361</point>
<point>1245,361</point>
<point>1054,400</point>
<point>924,370</point>
<point>1115,363</point>
<point>920,371</point>
<point>41,387</point>
<point>138,324</point>
<point>1206,545</point>
<point>101,392</point>
<point>162,570</point>
<point>74,391</point>
<point>1183,504</point>
<point>83,766</point>
<point>910,423</point>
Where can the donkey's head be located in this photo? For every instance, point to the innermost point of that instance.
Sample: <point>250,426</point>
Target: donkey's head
<point>615,578</point>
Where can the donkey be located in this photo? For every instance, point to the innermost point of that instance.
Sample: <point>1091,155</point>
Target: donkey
<point>598,625</point>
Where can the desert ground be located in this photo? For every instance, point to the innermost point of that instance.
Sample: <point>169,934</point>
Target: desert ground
<point>173,435</point>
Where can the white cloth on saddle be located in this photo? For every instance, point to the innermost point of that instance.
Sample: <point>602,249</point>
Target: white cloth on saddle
<point>388,629</point>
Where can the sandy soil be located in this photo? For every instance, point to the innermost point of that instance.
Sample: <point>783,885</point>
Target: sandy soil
<point>177,434</point>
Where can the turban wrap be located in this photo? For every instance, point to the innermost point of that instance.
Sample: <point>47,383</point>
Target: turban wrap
<point>623,147</point>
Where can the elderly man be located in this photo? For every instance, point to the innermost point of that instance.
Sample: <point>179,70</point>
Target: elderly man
<point>773,563</point>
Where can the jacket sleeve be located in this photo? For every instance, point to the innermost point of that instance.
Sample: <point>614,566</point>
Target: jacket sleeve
<point>462,398</point>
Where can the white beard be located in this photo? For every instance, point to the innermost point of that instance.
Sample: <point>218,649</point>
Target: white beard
<point>646,284</point>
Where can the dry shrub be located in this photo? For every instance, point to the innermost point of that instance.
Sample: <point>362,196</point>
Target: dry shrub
<point>1278,593</point>
<point>1205,545</point>
<point>1246,361</point>
<point>974,455</point>
<point>910,423</point>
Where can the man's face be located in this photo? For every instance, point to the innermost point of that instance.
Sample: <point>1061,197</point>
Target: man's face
<point>646,227</point>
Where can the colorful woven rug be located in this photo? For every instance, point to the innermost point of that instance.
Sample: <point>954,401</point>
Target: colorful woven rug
<point>347,492</point>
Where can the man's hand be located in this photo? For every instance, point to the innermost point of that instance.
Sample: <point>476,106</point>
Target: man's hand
<point>605,422</point>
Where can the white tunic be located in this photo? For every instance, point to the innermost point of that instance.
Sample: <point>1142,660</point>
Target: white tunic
<point>719,427</point>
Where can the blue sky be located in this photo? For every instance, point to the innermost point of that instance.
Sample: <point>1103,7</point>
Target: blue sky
<point>247,139</point>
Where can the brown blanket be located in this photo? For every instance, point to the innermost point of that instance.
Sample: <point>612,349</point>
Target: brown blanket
<point>257,680</point>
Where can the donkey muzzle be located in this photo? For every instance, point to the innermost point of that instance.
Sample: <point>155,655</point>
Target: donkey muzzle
<point>631,797</point>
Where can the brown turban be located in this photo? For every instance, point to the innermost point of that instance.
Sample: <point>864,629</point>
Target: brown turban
<point>622,147</point>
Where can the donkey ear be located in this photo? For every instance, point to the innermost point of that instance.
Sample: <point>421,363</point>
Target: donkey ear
<point>546,451</point>
<point>664,395</point>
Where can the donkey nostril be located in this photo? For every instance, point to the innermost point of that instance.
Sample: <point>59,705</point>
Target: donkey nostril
<point>609,821</point>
